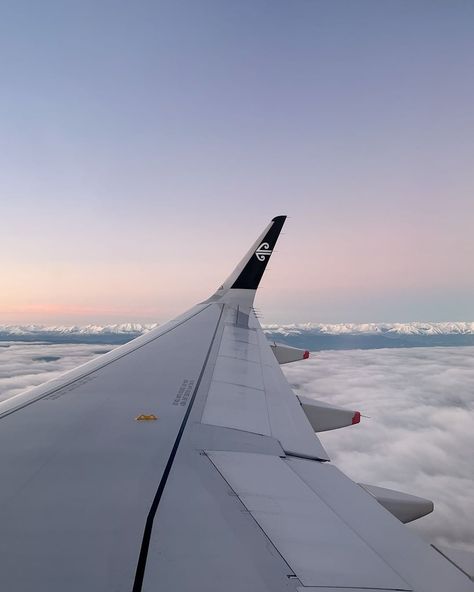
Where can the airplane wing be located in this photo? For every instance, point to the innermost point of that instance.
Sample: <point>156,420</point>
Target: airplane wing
<point>182,461</point>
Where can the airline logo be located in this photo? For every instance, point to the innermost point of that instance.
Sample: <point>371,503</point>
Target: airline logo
<point>263,251</point>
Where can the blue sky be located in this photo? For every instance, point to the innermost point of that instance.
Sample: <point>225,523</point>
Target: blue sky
<point>144,145</point>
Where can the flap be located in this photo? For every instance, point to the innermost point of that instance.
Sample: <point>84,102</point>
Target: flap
<point>318,546</point>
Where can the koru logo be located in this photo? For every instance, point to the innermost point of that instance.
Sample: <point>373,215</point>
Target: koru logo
<point>263,251</point>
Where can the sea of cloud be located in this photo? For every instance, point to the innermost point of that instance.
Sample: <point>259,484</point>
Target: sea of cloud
<point>419,438</point>
<point>24,365</point>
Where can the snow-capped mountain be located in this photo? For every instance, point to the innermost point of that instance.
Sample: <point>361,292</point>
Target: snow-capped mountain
<point>312,336</point>
<point>112,334</point>
<point>414,328</point>
<point>19,330</point>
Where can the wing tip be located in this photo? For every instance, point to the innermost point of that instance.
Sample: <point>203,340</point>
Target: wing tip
<point>252,267</point>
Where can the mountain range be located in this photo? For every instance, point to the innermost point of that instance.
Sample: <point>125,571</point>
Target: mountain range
<point>313,336</point>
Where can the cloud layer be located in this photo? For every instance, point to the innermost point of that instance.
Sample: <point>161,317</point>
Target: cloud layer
<point>419,438</point>
<point>24,365</point>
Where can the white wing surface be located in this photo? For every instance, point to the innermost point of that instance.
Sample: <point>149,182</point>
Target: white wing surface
<point>182,461</point>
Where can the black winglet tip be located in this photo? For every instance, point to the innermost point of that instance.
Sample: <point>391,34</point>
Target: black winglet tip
<point>256,262</point>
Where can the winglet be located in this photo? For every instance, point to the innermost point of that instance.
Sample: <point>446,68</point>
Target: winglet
<point>249,272</point>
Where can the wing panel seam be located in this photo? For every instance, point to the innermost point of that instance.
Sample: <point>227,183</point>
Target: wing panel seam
<point>142,558</point>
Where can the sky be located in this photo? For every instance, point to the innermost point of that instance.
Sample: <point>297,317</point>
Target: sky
<point>143,147</point>
<point>418,437</point>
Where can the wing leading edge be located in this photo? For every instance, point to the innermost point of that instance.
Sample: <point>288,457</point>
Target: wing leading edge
<point>228,489</point>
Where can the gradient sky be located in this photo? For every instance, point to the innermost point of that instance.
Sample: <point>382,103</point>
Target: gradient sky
<point>144,145</point>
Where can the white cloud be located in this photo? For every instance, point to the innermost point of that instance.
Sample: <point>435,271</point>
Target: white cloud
<point>24,365</point>
<point>420,435</point>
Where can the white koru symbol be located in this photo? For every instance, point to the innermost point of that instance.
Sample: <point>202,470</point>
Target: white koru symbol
<point>263,251</point>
